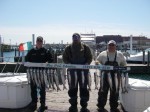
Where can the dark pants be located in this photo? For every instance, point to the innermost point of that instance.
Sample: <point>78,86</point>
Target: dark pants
<point>73,90</point>
<point>34,93</point>
<point>102,95</point>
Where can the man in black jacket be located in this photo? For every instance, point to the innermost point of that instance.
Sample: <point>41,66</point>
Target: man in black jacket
<point>78,53</point>
<point>38,55</point>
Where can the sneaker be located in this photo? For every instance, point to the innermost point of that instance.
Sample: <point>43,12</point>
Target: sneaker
<point>42,108</point>
<point>33,106</point>
<point>84,110</point>
<point>73,109</point>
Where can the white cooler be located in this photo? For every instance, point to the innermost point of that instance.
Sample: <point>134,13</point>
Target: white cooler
<point>138,97</point>
<point>14,92</point>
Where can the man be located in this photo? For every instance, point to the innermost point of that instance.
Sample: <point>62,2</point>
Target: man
<point>38,55</point>
<point>78,53</point>
<point>114,58</point>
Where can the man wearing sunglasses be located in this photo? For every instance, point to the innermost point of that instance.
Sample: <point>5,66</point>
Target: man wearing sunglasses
<point>38,55</point>
<point>114,58</point>
<point>78,53</point>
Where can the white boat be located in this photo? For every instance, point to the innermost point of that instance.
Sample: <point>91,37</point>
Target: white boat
<point>138,57</point>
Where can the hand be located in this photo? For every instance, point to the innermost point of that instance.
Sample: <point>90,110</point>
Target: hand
<point>97,62</point>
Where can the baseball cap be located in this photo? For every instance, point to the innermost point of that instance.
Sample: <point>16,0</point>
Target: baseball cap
<point>75,36</point>
<point>112,42</point>
<point>39,38</point>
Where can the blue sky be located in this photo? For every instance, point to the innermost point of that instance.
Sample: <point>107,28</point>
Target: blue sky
<point>57,20</point>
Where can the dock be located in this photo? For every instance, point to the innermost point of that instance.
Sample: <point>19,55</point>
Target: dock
<point>58,101</point>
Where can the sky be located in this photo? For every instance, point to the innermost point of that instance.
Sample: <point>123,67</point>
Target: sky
<point>57,20</point>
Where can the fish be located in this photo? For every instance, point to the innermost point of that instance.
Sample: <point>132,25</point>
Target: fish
<point>38,77</point>
<point>52,79</point>
<point>126,82</point>
<point>28,75</point>
<point>89,81</point>
<point>101,81</point>
<point>49,78</point>
<point>69,78</point>
<point>63,79</point>
<point>122,83</point>
<point>116,81</point>
<point>109,80</point>
<point>75,77</point>
<point>35,77</point>
<point>82,78</point>
<point>31,75</point>
<point>41,76</point>
<point>56,81</point>
<point>96,80</point>
<point>45,79</point>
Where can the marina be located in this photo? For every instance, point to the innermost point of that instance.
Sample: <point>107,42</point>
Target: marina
<point>57,101</point>
<point>14,64</point>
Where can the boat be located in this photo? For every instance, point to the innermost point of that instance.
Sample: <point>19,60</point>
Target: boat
<point>138,57</point>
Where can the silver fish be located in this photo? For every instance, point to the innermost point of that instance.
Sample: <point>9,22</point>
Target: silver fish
<point>52,79</point>
<point>69,79</point>
<point>35,77</point>
<point>82,78</point>
<point>122,83</point>
<point>41,76</point>
<point>89,81</point>
<point>45,78</point>
<point>38,77</point>
<point>56,81</point>
<point>63,79</point>
<point>116,82</point>
<point>126,82</point>
<point>75,77</point>
<point>31,75</point>
<point>101,81</point>
<point>28,75</point>
<point>109,80</point>
<point>49,78</point>
<point>96,80</point>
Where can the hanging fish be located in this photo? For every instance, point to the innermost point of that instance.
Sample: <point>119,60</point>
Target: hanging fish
<point>96,80</point>
<point>31,75</point>
<point>52,79</point>
<point>89,81</point>
<point>109,80</point>
<point>126,82</point>
<point>116,81</point>
<point>49,78</point>
<point>45,78</point>
<point>122,83</point>
<point>41,77</point>
<point>28,75</point>
<point>35,77</point>
<point>69,78</point>
<point>63,79</point>
<point>56,80</point>
<point>75,77</point>
<point>38,77</point>
<point>82,78</point>
<point>101,81</point>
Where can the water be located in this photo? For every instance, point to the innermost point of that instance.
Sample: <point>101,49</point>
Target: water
<point>9,56</point>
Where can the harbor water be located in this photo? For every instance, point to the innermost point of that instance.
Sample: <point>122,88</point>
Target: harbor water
<point>9,56</point>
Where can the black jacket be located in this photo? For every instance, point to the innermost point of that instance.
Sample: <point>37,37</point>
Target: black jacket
<point>41,55</point>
